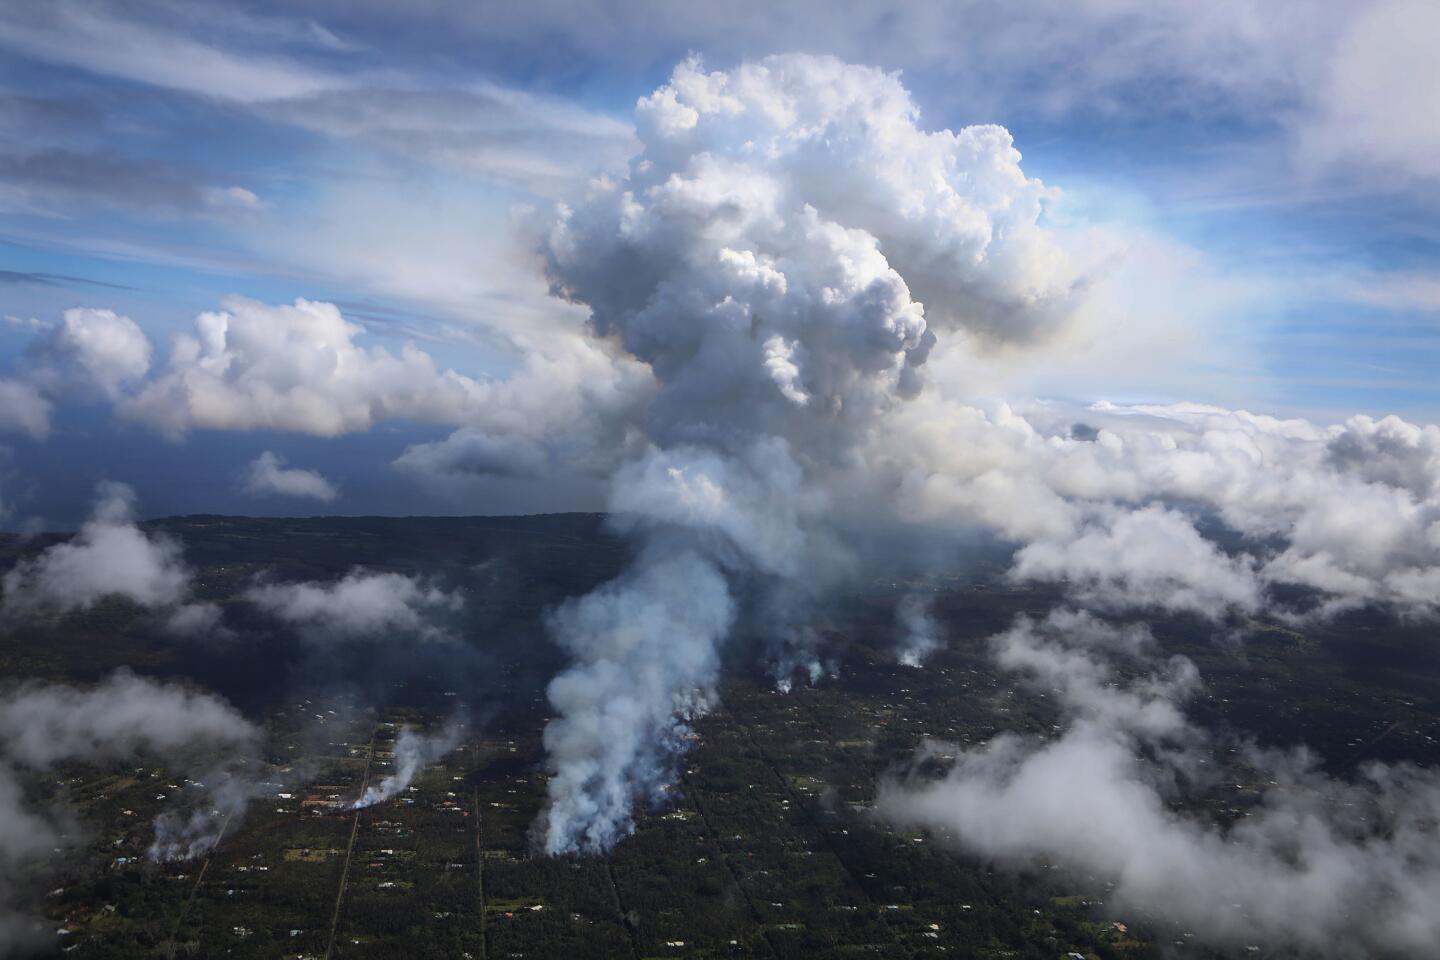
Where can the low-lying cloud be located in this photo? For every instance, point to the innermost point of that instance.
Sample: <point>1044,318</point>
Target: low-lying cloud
<point>1347,868</point>
<point>268,475</point>
<point>361,605</point>
<point>109,557</point>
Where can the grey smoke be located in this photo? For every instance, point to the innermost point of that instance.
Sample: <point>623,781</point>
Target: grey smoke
<point>413,753</point>
<point>919,631</point>
<point>122,717</point>
<point>216,808</point>
<point>1332,867</point>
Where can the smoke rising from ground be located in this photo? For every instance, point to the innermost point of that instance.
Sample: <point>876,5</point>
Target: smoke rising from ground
<point>647,652</point>
<point>413,753</point>
<point>123,718</point>
<point>789,254</point>
<point>919,630</point>
<point>758,257</point>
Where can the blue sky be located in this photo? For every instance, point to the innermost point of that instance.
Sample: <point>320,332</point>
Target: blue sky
<point>1270,173</point>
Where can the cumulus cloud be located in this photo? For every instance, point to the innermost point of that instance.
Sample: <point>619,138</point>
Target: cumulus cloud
<point>89,351</point>
<point>93,348</point>
<point>123,718</point>
<point>361,605</point>
<point>567,407</point>
<point>109,557</point>
<point>1344,868</point>
<point>41,725</point>
<point>267,474</point>
<point>301,368</point>
<point>1150,557</point>
<point>295,368</point>
<point>196,620</point>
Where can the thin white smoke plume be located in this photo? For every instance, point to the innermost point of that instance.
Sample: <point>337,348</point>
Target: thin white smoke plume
<point>413,753</point>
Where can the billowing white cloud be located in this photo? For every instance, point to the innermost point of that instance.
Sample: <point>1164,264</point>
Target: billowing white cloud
<point>267,474</point>
<point>1151,557</point>
<point>786,253</point>
<point>90,351</point>
<point>361,605</point>
<point>568,408</point>
<point>766,257</point>
<point>300,368</point>
<point>93,349</point>
<point>296,368</point>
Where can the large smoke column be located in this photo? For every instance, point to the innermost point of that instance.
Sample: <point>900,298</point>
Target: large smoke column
<point>413,753</point>
<point>763,256</point>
